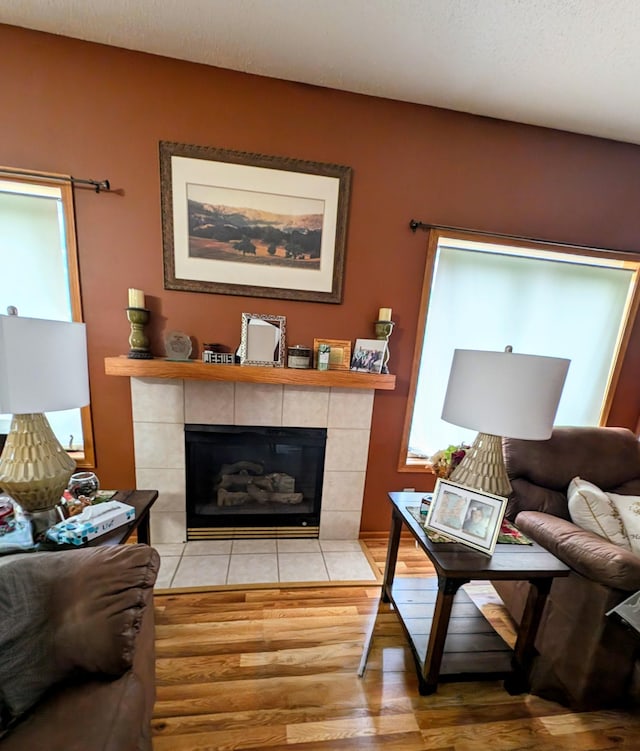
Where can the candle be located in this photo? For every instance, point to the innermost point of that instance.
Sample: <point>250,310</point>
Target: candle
<point>136,298</point>
<point>384,314</point>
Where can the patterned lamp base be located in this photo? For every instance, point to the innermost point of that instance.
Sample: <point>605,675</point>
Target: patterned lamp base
<point>483,466</point>
<point>34,468</point>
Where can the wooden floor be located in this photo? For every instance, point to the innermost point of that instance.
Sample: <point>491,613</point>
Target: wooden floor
<point>277,669</point>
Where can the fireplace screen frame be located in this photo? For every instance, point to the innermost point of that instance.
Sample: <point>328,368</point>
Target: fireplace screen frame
<point>211,526</point>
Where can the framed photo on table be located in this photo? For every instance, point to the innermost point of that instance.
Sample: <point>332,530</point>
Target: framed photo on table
<point>466,515</point>
<point>251,224</point>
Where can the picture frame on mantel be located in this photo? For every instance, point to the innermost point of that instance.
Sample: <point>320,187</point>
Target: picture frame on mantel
<point>237,223</point>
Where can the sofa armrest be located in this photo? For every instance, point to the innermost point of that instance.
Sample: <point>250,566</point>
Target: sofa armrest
<point>68,612</point>
<point>585,552</point>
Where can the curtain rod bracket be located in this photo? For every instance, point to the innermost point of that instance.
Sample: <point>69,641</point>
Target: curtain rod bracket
<point>414,225</point>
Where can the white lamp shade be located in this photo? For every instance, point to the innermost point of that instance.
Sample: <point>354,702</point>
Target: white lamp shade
<point>504,394</point>
<point>43,365</point>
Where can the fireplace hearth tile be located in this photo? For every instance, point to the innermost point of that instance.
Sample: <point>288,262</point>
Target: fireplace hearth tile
<point>168,566</point>
<point>258,404</point>
<point>339,525</point>
<point>208,547</point>
<point>346,450</point>
<point>168,527</point>
<point>298,546</point>
<point>159,445</point>
<point>259,568</point>
<point>347,566</point>
<point>253,546</point>
<point>305,407</point>
<point>201,571</point>
<point>342,491</point>
<point>170,486</point>
<point>349,408</point>
<point>169,549</point>
<point>299,567</point>
<point>209,402</point>
<point>340,546</point>
<point>155,401</point>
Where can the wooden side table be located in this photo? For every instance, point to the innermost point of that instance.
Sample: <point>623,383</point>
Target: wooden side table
<point>425,605</point>
<point>142,501</point>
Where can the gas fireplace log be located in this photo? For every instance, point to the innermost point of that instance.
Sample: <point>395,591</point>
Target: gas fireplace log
<point>240,481</point>
<point>262,496</point>
<point>237,467</point>
<point>227,498</point>
<point>291,498</point>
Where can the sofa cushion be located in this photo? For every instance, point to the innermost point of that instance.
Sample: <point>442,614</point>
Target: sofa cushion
<point>71,612</point>
<point>628,506</point>
<point>592,509</point>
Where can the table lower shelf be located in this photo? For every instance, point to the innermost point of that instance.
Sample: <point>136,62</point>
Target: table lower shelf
<point>472,648</point>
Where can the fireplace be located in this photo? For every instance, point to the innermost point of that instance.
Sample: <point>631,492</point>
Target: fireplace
<point>253,481</point>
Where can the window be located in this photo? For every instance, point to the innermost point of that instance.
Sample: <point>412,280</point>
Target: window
<point>482,293</point>
<point>39,276</point>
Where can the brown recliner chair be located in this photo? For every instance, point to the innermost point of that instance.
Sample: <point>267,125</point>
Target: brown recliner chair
<point>585,659</point>
<point>77,651</point>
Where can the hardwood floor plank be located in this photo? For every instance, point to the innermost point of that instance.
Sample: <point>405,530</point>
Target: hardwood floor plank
<point>275,669</point>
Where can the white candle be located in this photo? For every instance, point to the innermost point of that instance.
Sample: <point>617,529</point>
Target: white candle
<point>136,298</point>
<point>384,314</point>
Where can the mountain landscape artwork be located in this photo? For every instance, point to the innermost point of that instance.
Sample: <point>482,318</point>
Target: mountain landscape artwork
<point>243,226</point>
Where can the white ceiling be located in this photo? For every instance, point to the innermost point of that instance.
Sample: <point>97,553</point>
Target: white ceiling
<point>568,64</point>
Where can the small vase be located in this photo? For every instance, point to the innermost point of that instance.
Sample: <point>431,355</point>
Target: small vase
<point>84,484</point>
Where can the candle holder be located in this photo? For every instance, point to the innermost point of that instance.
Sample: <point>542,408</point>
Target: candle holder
<point>384,330</point>
<point>138,342</point>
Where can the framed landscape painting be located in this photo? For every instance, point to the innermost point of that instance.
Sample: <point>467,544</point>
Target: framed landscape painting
<point>249,224</point>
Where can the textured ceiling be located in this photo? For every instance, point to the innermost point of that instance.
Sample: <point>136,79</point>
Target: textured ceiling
<point>568,64</point>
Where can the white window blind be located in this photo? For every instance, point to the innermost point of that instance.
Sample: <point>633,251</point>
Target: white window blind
<point>34,275</point>
<point>486,297</point>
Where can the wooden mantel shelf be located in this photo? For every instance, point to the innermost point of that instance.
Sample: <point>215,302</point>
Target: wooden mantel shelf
<point>193,369</point>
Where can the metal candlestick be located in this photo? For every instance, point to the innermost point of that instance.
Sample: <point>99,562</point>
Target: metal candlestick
<point>138,342</point>
<point>384,330</point>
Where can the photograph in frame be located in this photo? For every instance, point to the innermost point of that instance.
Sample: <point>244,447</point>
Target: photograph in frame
<point>466,515</point>
<point>368,355</point>
<point>252,224</point>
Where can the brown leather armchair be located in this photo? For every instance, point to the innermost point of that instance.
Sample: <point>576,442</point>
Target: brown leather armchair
<point>77,664</point>
<point>585,659</point>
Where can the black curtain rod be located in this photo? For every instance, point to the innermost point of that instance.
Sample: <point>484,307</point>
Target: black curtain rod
<point>416,225</point>
<point>97,185</point>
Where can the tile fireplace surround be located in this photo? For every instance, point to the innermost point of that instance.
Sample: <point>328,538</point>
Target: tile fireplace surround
<point>161,407</point>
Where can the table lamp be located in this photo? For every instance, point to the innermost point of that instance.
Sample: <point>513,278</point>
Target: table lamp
<point>43,368</point>
<point>500,394</point>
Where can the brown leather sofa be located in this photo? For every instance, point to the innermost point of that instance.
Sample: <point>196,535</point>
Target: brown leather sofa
<point>77,660</point>
<point>585,659</point>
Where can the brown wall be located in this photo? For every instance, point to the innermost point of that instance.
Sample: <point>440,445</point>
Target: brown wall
<point>99,112</point>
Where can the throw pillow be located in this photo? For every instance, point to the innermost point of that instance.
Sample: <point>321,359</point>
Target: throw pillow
<point>628,507</point>
<point>592,509</point>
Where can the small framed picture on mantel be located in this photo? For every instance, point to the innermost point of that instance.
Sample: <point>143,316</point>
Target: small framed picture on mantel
<point>368,355</point>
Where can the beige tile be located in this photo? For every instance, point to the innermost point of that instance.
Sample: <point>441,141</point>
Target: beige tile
<point>157,400</point>
<point>208,547</point>
<point>299,567</point>
<point>350,408</point>
<point>169,549</point>
<point>347,566</point>
<point>253,569</point>
<point>305,407</point>
<point>209,402</point>
<point>342,491</point>
<point>158,445</point>
<point>253,546</point>
<point>340,546</point>
<point>347,450</point>
<point>168,566</point>
<point>298,546</point>
<point>340,525</point>
<point>201,571</point>
<point>167,527</point>
<point>170,486</point>
<point>258,404</point>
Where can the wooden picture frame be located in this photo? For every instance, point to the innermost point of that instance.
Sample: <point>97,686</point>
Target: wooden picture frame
<point>339,354</point>
<point>237,223</point>
<point>466,515</point>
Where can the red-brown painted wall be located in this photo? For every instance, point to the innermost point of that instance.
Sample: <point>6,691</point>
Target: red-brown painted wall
<point>99,112</point>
